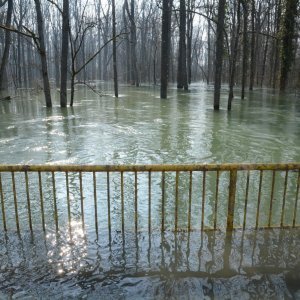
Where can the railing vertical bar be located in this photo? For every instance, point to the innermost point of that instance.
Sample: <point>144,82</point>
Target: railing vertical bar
<point>42,200</point>
<point>122,200</point>
<point>135,201</point>
<point>246,199</point>
<point>68,199</point>
<point>163,201</point>
<point>203,199</point>
<point>28,201</point>
<point>95,202</point>
<point>272,198</point>
<point>108,201</point>
<point>15,200</point>
<point>149,201</point>
<point>231,199</point>
<point>55,203</point>
<point>81,198</point>
<point>216,201</point>
<point>2,205</point>
<point>259,199</point>
<point>190,200</point>
<point>176,200</point>
<point>296,200</point>
<point>284,197</point>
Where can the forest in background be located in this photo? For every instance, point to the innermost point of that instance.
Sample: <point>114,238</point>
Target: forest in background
<point>61,43</point>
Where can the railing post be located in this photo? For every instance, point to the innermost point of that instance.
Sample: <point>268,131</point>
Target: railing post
<point>15,201</point>
<point>231,199</point>
<point>149,202</point>
<point>2,205</point>
<point>54,201</point>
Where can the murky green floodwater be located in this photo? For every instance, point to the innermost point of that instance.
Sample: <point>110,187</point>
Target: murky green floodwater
<point>141,128</point>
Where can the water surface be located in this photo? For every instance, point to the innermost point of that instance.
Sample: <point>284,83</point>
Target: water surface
<point>244,265</point>
<point>141,128</point>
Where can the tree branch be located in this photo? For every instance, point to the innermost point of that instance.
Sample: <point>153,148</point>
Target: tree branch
<point>90,87</point>
<point>56,5</point>
<point>12,29</point>
<point>96,53</point>
<point>2,2</point>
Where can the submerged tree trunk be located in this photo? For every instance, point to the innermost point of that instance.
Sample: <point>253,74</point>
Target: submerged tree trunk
<point>133,41</point>
<point>133,45</point>
<point>42,51</point>
<point>72,88</point>
<point>252,53</point>
<point>277,44</point>
<point>219,53</point>
<point>165,46</point>
<point>245,48</point>
<point>64,54</point>
<point>190,17</point>
<point>234,53</point>
<point>208,52</point>
<point>114,49</point>
<point>5,56</point>
<point>288,35</point>
<point>265,49</point>
<point>127,46</point>
<point>181,71</point>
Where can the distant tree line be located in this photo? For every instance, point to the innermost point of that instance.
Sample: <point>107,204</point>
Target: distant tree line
<point>60,43</point>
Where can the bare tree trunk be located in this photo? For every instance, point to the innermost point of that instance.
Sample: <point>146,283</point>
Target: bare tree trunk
<point>219,53</point>
<point>253,56</point>
<point>234,52</point>
<point>181,71</point>
<point>277,44</point>
<point>190,18</point>
<point>64,54</point>
<point>72,88</point>
<point>24,69</point>
<point>133,42</point>
<point>245,48</point>
<point>5,56</point>
<point>127,47</point>
<point>98,8</point>
<point>114,49</point>
<point>42,51</point>
<point>143,45</point>
<point>154,65</point>
<point>208,52</point>
<point>19,63</point>
<point>288,34</point>
<point>165,46</point>
<point>266,47</point>
<point>135,77</point>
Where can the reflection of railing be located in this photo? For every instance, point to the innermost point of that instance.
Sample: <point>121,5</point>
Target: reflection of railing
<point>152,265</point>
<point>248,179</point>
<point>158,265</point>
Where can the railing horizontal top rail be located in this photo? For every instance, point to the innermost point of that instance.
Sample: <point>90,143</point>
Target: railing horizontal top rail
<point>151,168</point>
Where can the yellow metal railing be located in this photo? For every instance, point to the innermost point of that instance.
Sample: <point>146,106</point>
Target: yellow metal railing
<point>183,205</point>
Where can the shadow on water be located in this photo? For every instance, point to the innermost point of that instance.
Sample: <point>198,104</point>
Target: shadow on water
<point>241,264</point>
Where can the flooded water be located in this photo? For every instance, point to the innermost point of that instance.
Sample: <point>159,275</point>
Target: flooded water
<point>140,128</point>
<point>244,265</point>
